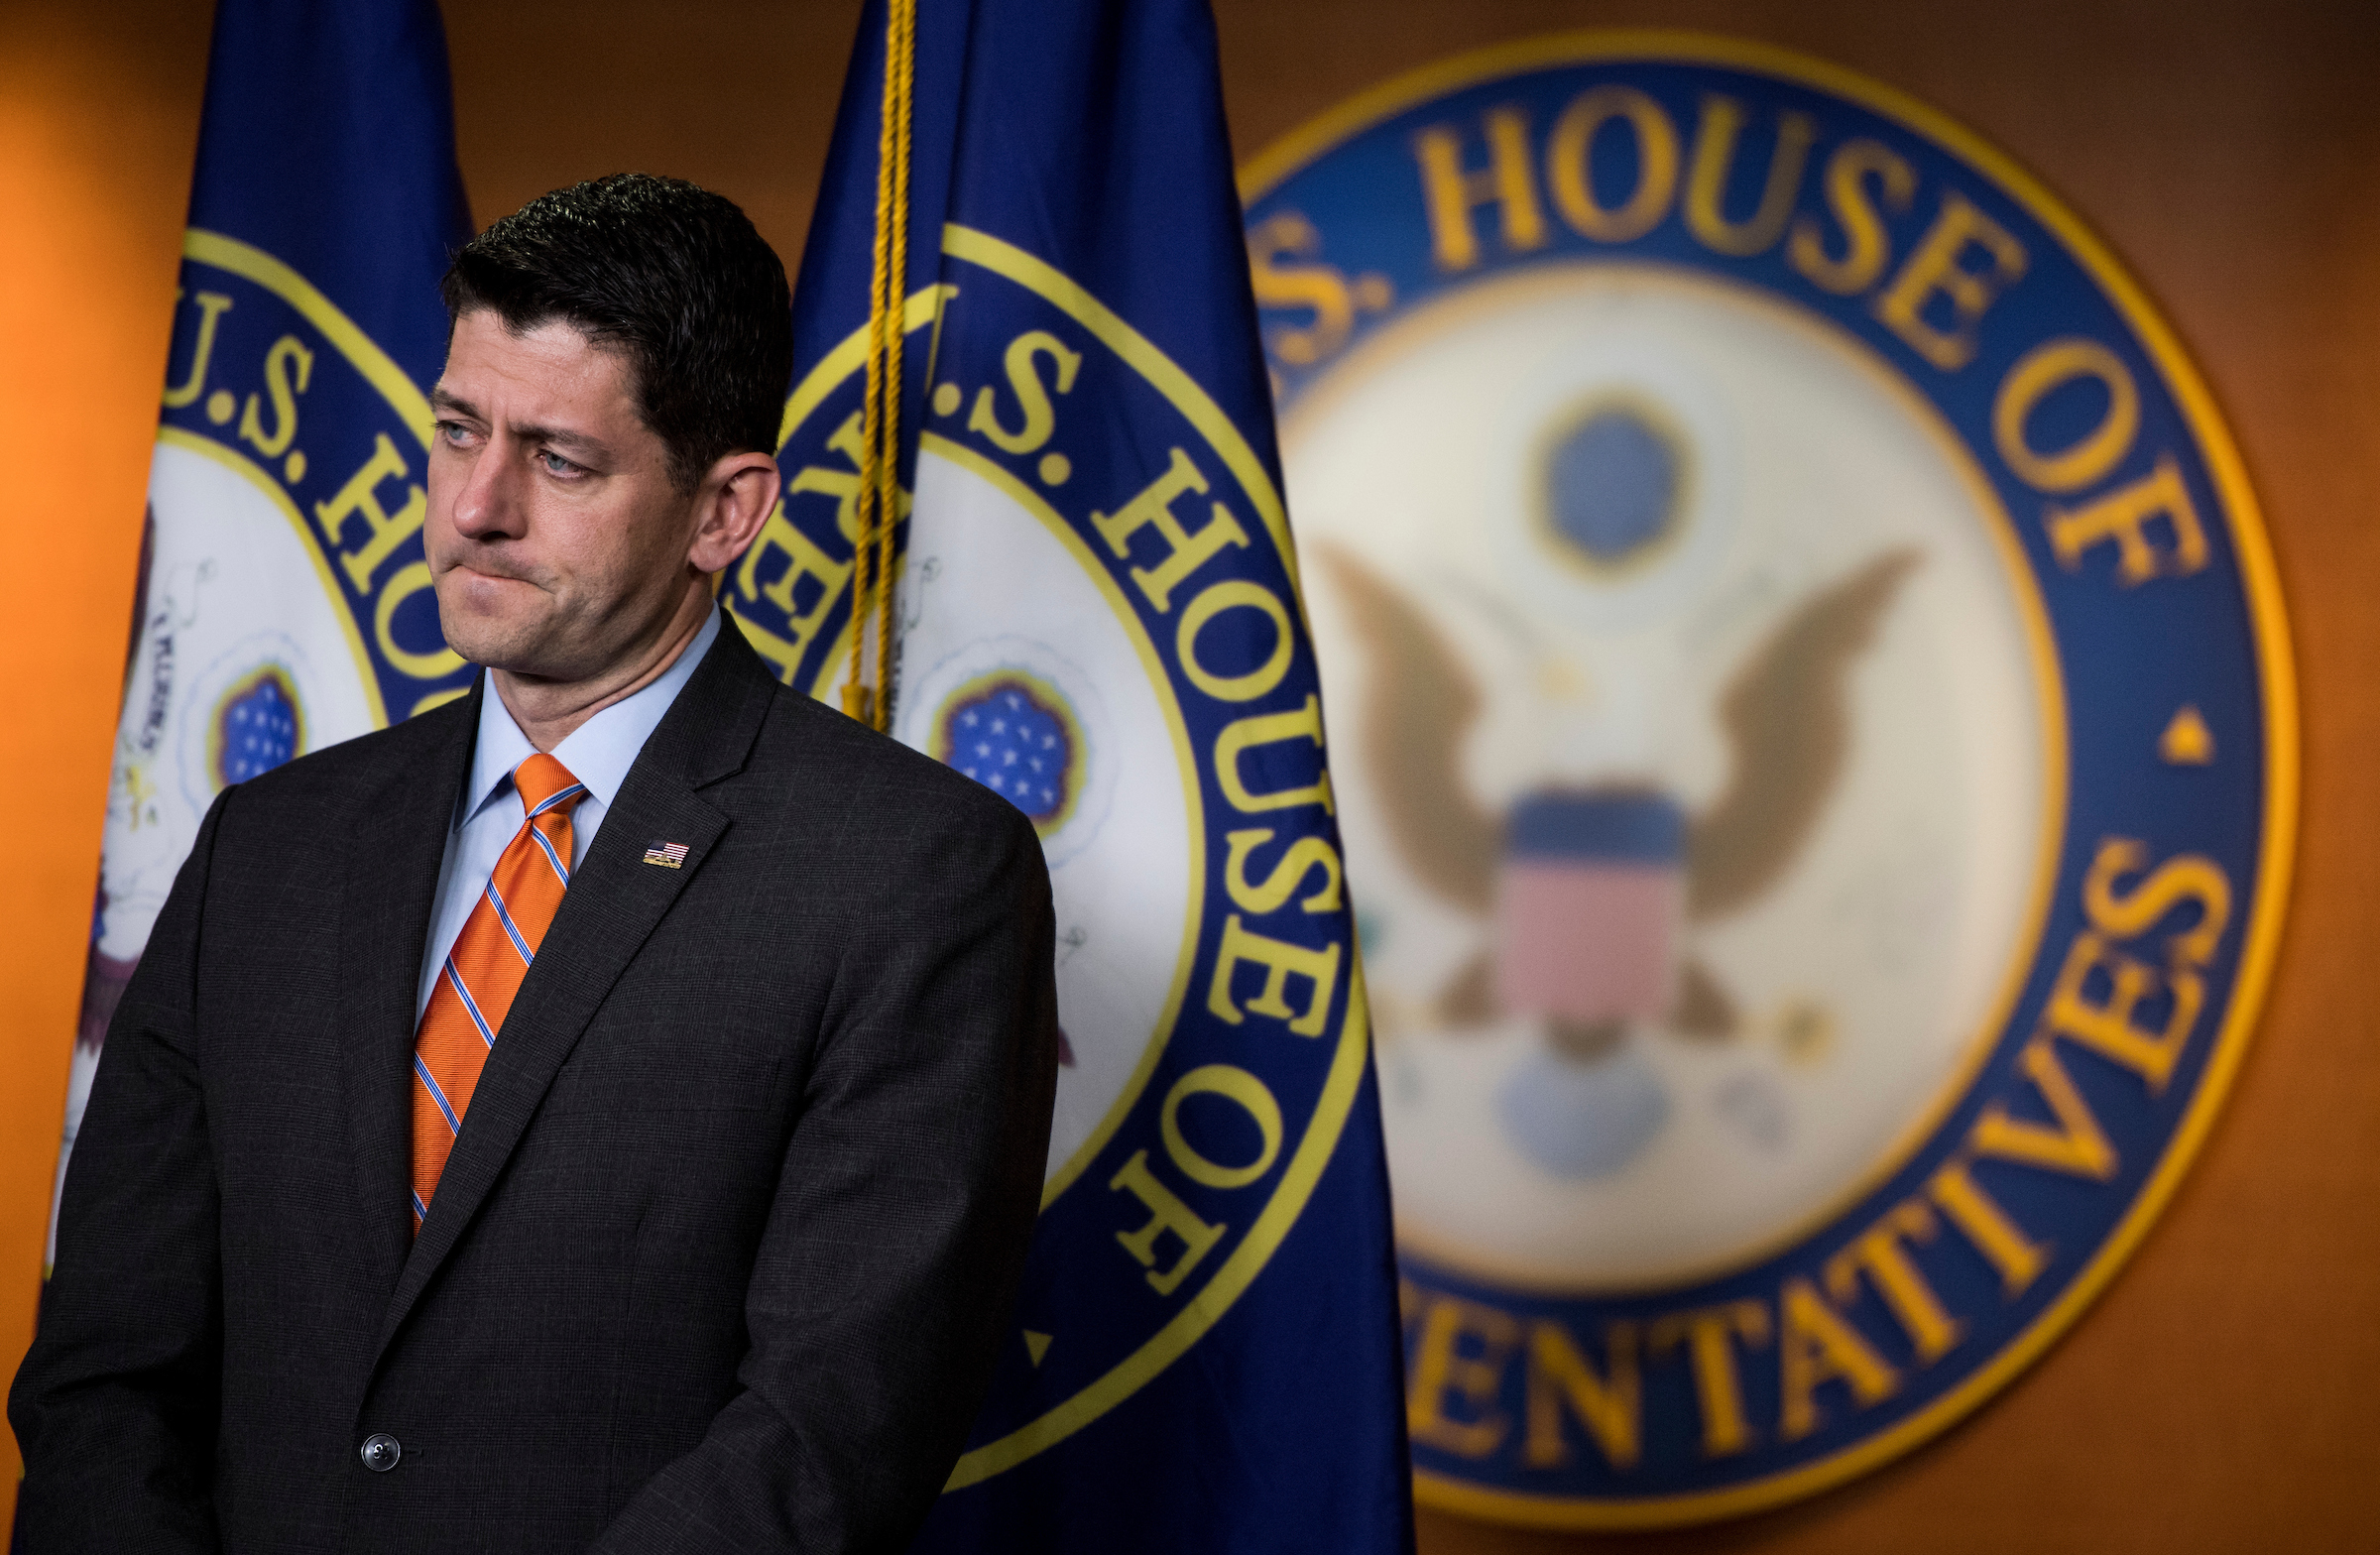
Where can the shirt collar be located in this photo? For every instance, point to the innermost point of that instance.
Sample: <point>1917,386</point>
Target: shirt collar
<point>598,752</point>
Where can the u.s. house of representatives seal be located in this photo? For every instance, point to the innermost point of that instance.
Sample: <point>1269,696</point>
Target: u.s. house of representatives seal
<point>282,602</point>
<point>1815,744</point>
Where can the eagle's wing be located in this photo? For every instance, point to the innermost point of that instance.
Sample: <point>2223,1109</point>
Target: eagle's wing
<point>1421,704</point>
<point>1787,715</point>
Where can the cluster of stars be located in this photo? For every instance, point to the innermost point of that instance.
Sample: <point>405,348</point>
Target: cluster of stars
<point>256,730</point>
<point>1008,740</point>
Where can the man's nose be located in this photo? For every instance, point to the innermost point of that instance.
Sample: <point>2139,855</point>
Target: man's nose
<point>488,507</point>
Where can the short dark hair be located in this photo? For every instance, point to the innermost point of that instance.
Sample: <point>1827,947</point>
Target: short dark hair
<point>671,277</point>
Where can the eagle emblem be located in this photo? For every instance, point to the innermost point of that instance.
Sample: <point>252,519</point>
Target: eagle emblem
<point>1591,894</point>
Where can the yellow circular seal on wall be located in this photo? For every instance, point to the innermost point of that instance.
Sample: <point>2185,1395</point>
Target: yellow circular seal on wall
<point>1816,752</point>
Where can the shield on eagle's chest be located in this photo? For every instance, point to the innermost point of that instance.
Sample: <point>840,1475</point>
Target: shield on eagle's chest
<point>1590,904</point>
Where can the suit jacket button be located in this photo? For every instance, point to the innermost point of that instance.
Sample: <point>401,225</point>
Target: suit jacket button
<point>381,1451</point>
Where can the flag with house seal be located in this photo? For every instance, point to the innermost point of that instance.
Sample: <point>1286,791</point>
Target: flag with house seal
<point>1026,350</point>
<point>282,603</point>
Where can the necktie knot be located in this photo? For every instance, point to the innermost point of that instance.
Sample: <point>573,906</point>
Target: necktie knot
<point>546,785</point>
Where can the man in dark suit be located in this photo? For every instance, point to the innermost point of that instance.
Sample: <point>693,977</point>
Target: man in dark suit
<point>606,1112</point>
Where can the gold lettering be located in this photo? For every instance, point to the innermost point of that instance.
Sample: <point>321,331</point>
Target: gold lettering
<point>1439,1368</point>
<point>2018,1258</point>
<point>1609,1405</point>
<point>1879,1252</point>
<point>2123,515</point>
<point>1280,960</point>
<point>1866,247</point>
<point>360,498</point>
<point>1320,288</point>
<point>1288,872</point>
<point>1935,270</point>
<point>283,395</point>
<point>2050,366</point>
<point>1451,194</point>
<point>2077,1147</point>
<point>1167,1216</point>
<point>1033,395</point>
<point>1715,145</point>
<point>1249,1094</point>
<point>212,305</point>
<point>1235,593</point>
<point>1710,1335</point>
<point>403,584</point>
<point>804,559</point>
<point>1569,173</point>
<point>1246,734</point>
<point>1814,1344</point>
<point>842,485</point>
<point>803,556</point>
<point>1185,552</point>
<point>2189,876</point>
<point>2106,1028</point>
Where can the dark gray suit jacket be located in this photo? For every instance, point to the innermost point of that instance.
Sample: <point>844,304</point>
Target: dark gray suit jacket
<point>728,1240</point>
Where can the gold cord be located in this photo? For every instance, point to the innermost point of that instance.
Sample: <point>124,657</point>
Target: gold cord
<point>869,699</point>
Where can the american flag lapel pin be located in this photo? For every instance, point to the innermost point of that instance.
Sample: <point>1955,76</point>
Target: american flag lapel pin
<point>668,855</point>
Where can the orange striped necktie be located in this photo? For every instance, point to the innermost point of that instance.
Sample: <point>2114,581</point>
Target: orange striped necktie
<point>483,971</point>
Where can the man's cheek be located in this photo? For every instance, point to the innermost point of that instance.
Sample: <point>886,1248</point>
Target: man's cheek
<point>437,524</point>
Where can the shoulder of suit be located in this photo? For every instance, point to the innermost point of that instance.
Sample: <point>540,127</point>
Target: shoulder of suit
<point>808,738</point>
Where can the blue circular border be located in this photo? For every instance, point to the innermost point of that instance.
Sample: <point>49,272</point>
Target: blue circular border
<point>2215,639</point>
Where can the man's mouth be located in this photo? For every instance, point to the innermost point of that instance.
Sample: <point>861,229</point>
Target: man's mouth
<point>480,570</point>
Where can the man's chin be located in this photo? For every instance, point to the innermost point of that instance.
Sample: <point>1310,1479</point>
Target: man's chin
<point>494,642</point>
<point>495,622</point>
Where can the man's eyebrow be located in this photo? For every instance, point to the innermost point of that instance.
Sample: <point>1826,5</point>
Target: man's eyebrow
<point>560,437</point>
<point>441,399</point>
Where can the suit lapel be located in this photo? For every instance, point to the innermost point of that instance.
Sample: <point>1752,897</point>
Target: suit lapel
<point>392,881</point>
<point>613,905</point>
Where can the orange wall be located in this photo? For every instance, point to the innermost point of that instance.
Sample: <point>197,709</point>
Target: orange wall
<point>96,151</point>
<point>2217,1398</point>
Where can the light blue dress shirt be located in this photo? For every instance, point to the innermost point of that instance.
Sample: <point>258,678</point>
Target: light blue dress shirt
<point>487,816</point>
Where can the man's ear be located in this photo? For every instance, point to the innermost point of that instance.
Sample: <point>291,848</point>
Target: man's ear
<point>737,496</point>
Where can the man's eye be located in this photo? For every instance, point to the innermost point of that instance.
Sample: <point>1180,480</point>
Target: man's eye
<point>555,465</point>
<point>454,432</point>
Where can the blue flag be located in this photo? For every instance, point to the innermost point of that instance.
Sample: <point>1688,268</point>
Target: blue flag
<point>282,602</point>
<point>1098,617</point>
